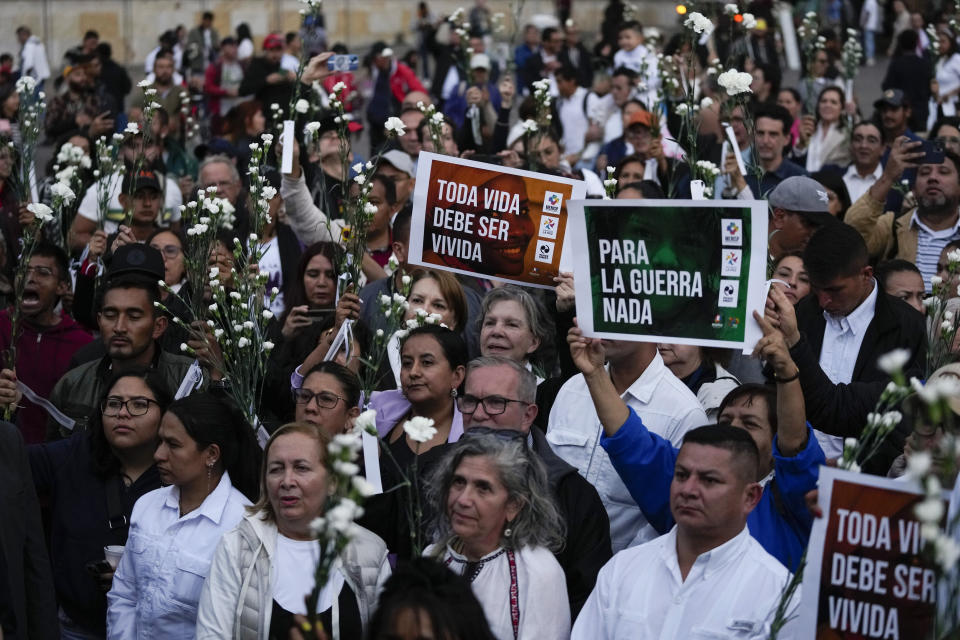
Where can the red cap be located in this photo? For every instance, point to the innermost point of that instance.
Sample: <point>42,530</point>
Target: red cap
<point>641,117</point>
<point>273,41</point>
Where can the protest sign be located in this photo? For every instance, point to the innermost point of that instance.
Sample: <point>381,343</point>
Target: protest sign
<point>678,271</point>
<point>490,221</point>
<point>865,576</point>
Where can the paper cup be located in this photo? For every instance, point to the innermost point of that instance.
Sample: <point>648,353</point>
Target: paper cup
<point>112,554</point>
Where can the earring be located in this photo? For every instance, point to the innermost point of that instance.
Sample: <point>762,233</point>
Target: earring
<point>453,393</point>
<point>508,531</point>
<point>209,475</point>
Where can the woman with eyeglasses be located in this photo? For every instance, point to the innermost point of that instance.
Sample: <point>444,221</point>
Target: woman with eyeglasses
<point>170,245</point>
<point>209,459</point>
<point>497,525</point>
<point>328,398</point>
<point>946,133</point>
<point>92,481</point>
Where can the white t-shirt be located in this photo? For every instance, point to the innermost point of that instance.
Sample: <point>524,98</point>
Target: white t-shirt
<point>89,208</point>
<point>270,264</point>
<point>290,62</point>
<point>245,49</point>
<point>231,75</point>
<point>293,568</point>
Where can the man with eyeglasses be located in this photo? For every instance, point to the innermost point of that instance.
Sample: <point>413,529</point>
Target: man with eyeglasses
<point>500,395</point>
<point>866,147</point>
<point>49,337</point>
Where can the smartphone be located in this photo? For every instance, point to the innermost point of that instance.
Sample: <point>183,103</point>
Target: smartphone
<point>343,62</point>
<point>933,152</point>
<point>318,315</point>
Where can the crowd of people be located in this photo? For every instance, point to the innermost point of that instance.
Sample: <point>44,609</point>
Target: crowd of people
<point>571,487</point>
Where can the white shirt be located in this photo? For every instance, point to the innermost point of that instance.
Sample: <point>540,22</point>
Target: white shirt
<point>293,577</point>
<point>90,210</point>
<point>842,338</point>
<point>33,59</point>
<point>644,62</point>
<point>245,49</point>
<point>731,591</point>
<point>541,590</point>
<point>948,75</point>
<point>157,586</point>
<point>667,408</point>
<point>858,185</point>
<point>152,56</point>
<point>573,115</point>
<point>290,62</point>
<point>930,244</point>
<point>613,127</point>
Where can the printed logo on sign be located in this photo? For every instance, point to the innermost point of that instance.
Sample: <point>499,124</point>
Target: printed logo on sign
<point>552,202</point>
<point>717,321</point>
<point>728,293</point>
<point>544,251</point>
<point>733,322</point>
<point>732,231</point>
<point>549,227</point>
<point>730,263</point>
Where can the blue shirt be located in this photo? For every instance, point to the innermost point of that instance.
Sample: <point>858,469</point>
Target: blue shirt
<point>780,522</point>
<point>156,589</point>
<point>771,179</point>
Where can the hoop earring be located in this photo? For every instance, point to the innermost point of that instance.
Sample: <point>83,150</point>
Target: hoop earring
<point>453,393</point>
<point>508,531</point>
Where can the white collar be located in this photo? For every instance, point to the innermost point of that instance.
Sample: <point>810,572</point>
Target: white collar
<point>642,388</point>
<point>859,319</point>
<point>712,561</point>
<point>853,173</point>
<point>212,506</point>
<point>942,233</point>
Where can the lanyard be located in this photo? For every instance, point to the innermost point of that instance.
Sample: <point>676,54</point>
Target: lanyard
<point>514,588</point>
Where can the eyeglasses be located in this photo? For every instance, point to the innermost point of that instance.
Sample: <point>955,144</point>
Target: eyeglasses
<point>135,406</point>
<point>492,405</point>
<point>43,272</point>
<point>169,251</point>
<point>325,399</point>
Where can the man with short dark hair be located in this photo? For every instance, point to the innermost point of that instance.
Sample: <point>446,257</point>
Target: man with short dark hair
<point>49,337</point>
<point>789,455</point>
<point>202,44</point>
<point>168,92</point>
<point>576,56</point>
<point>771,135</point>
<point>397,166</point>
<point>293,49</point>
<point>131,327</point>
<point>622,89</point>
<point>836,335</point>
<point>500,394</point>
<point>266,80</point>
<point>708,573</point>
<point>545,62</point>
<point>919,235</point>
<point>866,149</point>
<point>33,57</point>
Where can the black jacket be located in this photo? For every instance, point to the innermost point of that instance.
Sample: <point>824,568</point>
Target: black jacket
<point>587,546</point>
<point>27,579</point>
<point>584,64</point>
<point>255,83</point>
<point>63,471</point>
<point>841,409</point>
<point>911,74</point>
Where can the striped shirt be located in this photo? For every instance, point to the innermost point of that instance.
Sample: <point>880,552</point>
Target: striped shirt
<point>930,245</point>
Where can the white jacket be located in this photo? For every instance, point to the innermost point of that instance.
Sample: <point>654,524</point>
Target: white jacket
<point>237,599</point>
<point>711,394</point>
<point>308,222</point>
<point>33,60</point>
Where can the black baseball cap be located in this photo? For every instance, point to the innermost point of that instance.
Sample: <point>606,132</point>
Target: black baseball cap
<point>143,179</point>
<point>137,259</point>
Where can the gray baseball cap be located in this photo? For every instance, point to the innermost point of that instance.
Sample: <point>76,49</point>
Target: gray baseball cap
<point>805,196</point>
<point>400,161</point>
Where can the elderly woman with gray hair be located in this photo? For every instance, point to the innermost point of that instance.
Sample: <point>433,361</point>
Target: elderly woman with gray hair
<point>516,325</point>
<point>498,526</point>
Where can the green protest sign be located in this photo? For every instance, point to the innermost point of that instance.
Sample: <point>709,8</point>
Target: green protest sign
<point>679,271</point>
